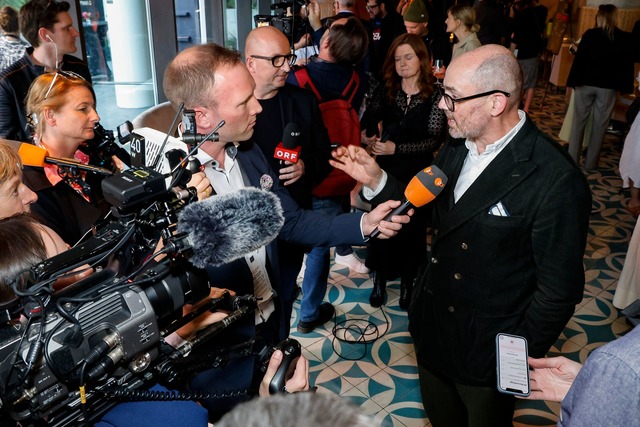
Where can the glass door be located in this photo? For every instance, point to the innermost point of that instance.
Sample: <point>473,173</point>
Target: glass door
<point>116,37</point>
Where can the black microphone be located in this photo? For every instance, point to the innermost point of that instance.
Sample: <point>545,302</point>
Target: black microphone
<point>423,188</point>
<point>289,148</point>
<point>225,228</point>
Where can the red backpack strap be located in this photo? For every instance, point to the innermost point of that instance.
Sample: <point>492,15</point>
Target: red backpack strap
<point>302,76</point>
<point>352,87</point>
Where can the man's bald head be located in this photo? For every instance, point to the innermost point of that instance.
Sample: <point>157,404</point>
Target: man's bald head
<point>265,41</point>
<point>491,67</point>
<point>262,46</point>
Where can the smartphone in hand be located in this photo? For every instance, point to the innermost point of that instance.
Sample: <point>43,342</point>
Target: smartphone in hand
<point>512,365</point>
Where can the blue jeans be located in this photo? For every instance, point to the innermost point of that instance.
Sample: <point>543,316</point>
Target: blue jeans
<point>316,273</point>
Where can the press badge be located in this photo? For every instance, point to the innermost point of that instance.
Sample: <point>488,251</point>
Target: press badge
<point>261,284</point>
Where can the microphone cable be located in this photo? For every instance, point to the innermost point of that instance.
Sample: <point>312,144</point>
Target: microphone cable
<point>357,331</point>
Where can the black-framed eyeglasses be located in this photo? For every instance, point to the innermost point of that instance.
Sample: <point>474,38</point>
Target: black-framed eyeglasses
<point>450,102</point>
<point>66,74</point>
<point>278,60</point>
<point>372,6</point>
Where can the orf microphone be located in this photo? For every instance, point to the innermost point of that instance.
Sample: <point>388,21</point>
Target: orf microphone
<point>289,148</point>
<point>423,188</point>
<point>32,155</point>
<point>224,228</point>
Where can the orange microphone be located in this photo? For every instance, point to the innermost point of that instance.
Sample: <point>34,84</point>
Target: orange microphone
<point>423,188</point>
<point>32,155</point>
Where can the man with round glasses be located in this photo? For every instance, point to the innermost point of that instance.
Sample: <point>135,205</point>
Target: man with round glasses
<point>508,235</point>
<point>48,27</point>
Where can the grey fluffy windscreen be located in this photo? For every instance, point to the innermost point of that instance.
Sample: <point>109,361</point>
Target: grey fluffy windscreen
<point>226,227</point>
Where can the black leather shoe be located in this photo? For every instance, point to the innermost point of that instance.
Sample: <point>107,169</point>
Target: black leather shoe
<point>379,291</point>
<point>326,313</point>
<point>406,287</point>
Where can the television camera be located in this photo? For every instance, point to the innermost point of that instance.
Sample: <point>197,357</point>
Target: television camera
<point>292,25</point>
<point>65,353</point>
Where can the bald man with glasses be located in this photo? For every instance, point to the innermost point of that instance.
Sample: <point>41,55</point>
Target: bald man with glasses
<point>269,61</point>
<point>508,236</point>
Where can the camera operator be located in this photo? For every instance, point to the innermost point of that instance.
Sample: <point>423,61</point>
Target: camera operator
<point>25,242</point>
<point>62,107</point>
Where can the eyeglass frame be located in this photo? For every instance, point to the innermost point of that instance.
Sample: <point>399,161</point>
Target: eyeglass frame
<point>450,99</point>
<point>292,57</point>
<point>370,7</point>
<point>64,73</point>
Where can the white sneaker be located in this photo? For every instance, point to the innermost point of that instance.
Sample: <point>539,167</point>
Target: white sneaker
<point>353,262</point>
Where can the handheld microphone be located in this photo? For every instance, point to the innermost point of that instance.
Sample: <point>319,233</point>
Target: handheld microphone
<point>289,148</point>
<point>423,188</point>
<point>32,155</point>
<point>225,228</point>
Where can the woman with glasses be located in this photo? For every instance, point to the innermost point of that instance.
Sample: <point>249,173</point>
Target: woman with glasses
<point>62,109</point>
<point>405,109</point>
<point>603,66</point>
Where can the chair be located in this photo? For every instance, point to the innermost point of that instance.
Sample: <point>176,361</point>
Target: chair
<point>158,117</point>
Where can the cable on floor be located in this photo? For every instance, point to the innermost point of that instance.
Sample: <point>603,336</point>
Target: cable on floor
<point>357,331</point>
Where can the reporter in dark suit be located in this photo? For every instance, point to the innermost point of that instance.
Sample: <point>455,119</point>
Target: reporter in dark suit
<point>509,232</point>
<point>212,81</point>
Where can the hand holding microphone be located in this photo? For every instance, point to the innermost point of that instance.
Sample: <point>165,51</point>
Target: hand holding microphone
<point>422,189</point>
<point>288,151</point>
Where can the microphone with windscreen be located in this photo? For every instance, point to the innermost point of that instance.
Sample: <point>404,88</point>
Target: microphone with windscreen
<point>289,148</point>
<point>423,188</point>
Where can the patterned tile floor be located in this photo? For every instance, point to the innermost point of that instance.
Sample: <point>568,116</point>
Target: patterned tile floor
<point>381,376</point>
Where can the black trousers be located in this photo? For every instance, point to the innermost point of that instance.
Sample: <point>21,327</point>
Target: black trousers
<point>449,404</point>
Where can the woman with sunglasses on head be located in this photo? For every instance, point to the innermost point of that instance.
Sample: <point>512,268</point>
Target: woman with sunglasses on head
<point>413,128</point>
<point>48,27</point>
<point>62,108</point>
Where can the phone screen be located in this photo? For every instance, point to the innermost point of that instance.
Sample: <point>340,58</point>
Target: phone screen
<point>512,365</point>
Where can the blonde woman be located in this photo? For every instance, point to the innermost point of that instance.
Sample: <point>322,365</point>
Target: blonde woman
<point>461,22</point>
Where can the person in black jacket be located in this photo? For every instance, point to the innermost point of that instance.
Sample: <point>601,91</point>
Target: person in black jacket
<point>48,27</point>
<point>602,66</point>
<point>386,25</point>
<point>508,235</point>
<point>283,104</point>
